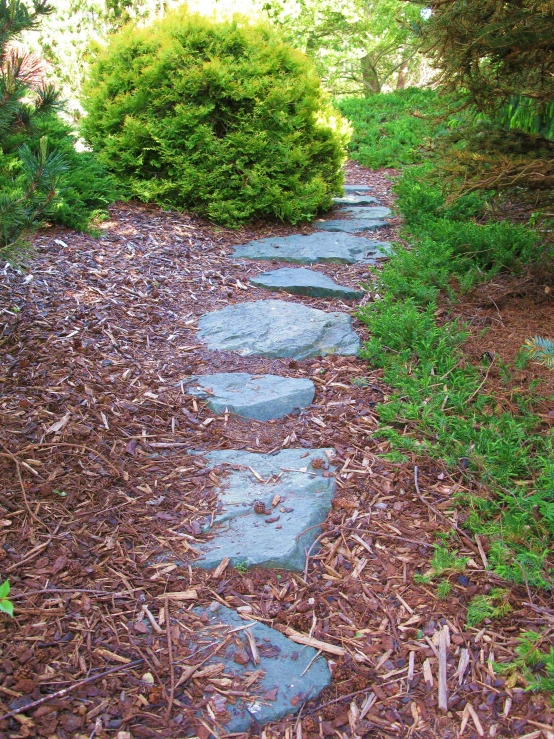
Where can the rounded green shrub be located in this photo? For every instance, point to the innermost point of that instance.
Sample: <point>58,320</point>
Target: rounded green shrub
<point>222,119</point>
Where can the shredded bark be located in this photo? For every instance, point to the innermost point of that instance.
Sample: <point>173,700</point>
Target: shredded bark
<point>97,480</point>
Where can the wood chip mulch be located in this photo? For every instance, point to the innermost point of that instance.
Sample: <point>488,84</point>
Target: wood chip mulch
<point>95,338</point>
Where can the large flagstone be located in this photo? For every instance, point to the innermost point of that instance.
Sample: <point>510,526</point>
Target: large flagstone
<point>278,328</point>
<point>337,248</point>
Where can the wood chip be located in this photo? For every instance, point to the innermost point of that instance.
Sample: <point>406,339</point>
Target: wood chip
<point>315,643</point>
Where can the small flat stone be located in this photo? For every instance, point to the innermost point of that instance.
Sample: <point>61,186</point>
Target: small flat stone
<point>262,397</point>
<point>274,539</point>
<point>305,282</point>
<point>357,189</point>
<point>356,200</point>
<point>278,328</point>
<point>350,226</point>
<point>376,213</point>
<point>290,673</point>
<point>340,248</point>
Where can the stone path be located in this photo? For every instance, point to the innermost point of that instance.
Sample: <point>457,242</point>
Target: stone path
<point>304,282</point>
<point>276,328</point>
<point>262,397</point>
<point>289,673</point>
<point>271,506</point>
<point>336,248</point>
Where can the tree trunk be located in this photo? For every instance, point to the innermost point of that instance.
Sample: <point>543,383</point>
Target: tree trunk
<point>402,74</point>
<point>370,78</point>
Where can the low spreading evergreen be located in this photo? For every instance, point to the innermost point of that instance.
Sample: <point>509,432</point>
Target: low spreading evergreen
<point>392,130</point>
<point>222,119</point>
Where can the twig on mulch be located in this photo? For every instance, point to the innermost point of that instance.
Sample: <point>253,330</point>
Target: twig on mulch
<point>17,463</point>
<point>170,658</point>
<point>441,515</point>
<point>65,691</point>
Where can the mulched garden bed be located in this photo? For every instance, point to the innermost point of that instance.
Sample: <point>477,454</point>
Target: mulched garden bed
<point>97,481</point>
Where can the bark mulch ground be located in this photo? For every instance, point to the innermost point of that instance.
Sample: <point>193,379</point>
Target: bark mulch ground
<point>95,338</point>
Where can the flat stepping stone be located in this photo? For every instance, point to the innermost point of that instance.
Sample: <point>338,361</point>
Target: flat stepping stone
<point>355,200</point>
<point>305,282</point>
<point>350,226</point>
<point>288,676</point>
<point>357,189</point>
<point>376,213</point>
<point>277,328</point>
<point>313,248</point>
<point>262,397</point>
<point>276,539</point>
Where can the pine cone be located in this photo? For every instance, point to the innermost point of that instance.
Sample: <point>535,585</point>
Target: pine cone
<point>259,506</point>
<point>317,463</point>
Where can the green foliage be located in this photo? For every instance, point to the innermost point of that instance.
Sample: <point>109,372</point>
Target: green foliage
<point>497,58</point>
<point>443,589</point>
<point>491,50</point>
<point>358,46</point>
<point>439,407</point>
<point>493,605</point>
<point>541,350</point>
<point>42,177</point>
<point>241,567</point>
<point>6,606</point>
<point>443,562</point>
<point>391,129</point>
<point>223,119</point>
<point>65,35</point>
<point>534,661</point>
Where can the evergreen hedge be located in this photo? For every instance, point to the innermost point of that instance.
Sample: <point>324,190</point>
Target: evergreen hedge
<point>222,119</point>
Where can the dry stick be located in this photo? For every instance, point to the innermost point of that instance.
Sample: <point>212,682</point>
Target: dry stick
<point>9,455</point>
<point>170,657</point>
<point>441,515</point>
<point>338,700</point>
<point>64,691</point>
<point>56,591</point>
<point>74,446</point>
<point>22,486</point>
<point>525,581</point>
<point>443,690</point>
<point>377,534</point>
<point>481,385</point>
<point>33,553</point>
<point>308,553</point>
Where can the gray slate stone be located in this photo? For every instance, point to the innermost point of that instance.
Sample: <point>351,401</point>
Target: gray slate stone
<point>356,189</point>
<point>376,213</point>
<point>354,226</point>
<point>315,247</point>
<point>282,663</point>
<point>356,200</point>
<point>253,396</point>
<point>244,535</point>
<point>305,282</point>
<point>277,328</point>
